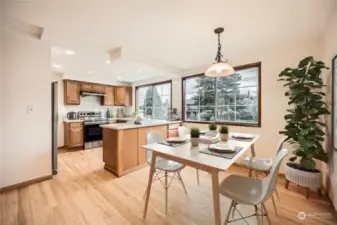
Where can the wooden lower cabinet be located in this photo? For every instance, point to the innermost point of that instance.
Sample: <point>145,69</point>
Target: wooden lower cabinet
<point>73,135</point>
<point>122,151</point>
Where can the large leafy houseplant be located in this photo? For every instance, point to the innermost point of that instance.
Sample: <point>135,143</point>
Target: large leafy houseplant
<point>304,128</point>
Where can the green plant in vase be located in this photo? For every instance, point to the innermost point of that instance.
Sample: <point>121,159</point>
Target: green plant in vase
<point>212,130</point>
<point>223,133</point>
<point>304,127</point>
<point>195,134</point>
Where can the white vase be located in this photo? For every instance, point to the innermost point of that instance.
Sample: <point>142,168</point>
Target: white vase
<point>195,142</point>
<point>312,180</point>
<point>223,137</point>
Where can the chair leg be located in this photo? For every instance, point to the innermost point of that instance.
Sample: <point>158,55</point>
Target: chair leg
<point>182,182</point>
<point>272,198</point>
<point>234,208</point>
<point>266,212</point>
<point>166,189</point>
<point>257,214</point>
<point>229,212</point>
<point>278,197</point>
<point>250,174</point>
<point>198,177</point>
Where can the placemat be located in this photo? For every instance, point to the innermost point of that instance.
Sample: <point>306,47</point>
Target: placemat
<point>223,155</point>
<point>173,144</point>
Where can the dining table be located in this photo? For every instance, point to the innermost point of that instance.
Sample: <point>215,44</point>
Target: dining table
<point>193,157</point>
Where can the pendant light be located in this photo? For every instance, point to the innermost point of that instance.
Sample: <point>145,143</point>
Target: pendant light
<point>219,67</point>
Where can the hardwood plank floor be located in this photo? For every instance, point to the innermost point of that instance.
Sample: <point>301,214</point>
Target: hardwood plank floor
<point>84,193</point>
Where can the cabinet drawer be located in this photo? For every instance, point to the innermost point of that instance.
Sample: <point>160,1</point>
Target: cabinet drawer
<point>173,133</point>
<point>76,125</point>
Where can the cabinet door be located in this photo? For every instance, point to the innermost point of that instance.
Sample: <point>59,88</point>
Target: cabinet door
<point>75,135</point>
<point>71,92</point>
<point>162,130</point>
<point>142,141</point>
<point>109,99</point>
<point>128,96</point>
<point>98,88</point>
<point>86,87</point>
<point>120,96</point>
<point>173,133</point>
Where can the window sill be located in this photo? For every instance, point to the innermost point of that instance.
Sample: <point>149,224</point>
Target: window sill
<point>225,123</point>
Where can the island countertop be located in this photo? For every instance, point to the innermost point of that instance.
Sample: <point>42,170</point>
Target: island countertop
<point>146,123</point>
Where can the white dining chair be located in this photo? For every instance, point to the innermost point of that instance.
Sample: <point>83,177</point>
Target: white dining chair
<point>163,166</point>
<point>250,191</point>
<point>184,132</point>
<point>264,165</point>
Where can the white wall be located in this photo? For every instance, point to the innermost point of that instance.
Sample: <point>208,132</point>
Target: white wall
<point>26,83</point>
<point>274,103</point>
<point>330,51</point>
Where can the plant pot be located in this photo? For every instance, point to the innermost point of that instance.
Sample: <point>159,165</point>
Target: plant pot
<point>307,178</point>
<point>224,137</point>
<point>195,142</point>
<point>212,133</point>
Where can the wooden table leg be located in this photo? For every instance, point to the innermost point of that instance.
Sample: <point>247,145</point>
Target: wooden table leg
<point>216,197</point>
<point>252,150</point>
<point>149,184</point>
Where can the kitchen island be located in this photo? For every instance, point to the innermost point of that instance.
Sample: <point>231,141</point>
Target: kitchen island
<point>122,151</point>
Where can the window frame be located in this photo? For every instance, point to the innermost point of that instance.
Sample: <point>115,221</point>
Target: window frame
<point>153,84</point>
<point>242,67</point>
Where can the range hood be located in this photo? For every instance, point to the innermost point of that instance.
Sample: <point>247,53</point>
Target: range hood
<point>84,94</point>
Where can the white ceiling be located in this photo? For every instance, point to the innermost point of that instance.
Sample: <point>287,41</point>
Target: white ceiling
<point>177,33</point>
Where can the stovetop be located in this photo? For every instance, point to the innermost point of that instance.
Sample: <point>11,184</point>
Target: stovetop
<point>91,117</point>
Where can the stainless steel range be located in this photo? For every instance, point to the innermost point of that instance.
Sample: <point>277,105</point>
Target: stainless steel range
<point>93,134</point>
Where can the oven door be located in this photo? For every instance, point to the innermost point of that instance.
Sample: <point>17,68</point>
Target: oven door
<point>92,132</point>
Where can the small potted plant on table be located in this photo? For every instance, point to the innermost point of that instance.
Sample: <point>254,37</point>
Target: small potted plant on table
<point>212,130</point>
<point>304,127</point>
<point>195,134</point>
<point>223,133</point>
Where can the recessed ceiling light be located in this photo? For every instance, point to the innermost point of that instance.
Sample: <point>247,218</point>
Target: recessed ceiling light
<point>119,78</point>
<point>90,71</point>
<point>139,71</point>
<point>107,62</point>
<point>69,52</point>
<point>57,66</point>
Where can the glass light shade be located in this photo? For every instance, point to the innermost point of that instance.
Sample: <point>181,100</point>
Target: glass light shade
<point>219,69</point>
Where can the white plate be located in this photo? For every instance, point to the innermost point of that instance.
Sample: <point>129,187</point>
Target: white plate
<point>176,139</point>
<point>225,148</point>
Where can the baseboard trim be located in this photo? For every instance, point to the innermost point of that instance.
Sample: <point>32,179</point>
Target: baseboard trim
<point>25,183</point>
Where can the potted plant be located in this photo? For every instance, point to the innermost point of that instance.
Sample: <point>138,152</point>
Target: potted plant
<point>304,127</point>
<point>212,130</point>
<point>195,134</point>
<point>223,133</point>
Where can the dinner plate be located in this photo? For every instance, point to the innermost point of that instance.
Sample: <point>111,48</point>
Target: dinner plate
<point>222,148</point>
<point>176,139</point>
<point>242,136</point>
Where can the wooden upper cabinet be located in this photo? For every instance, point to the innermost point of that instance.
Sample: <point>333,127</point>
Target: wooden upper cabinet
<point>71,92</point>
<point>123,96</point>
<point>99,88</point>
<point>109,99</point>
<point>87,87</point>
<point>128,96</point>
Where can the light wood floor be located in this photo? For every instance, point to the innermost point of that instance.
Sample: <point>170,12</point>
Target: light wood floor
<point>84,193</point>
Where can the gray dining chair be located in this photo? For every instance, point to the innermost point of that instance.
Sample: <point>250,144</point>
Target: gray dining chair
<point>163,168</point>
<point>250,191</point>
<point>259,164</point>
<point>184,132</point>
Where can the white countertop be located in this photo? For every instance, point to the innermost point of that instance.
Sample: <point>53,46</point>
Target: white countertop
<point>124,118</point>
<point>73,121</point>
<point>131,125</point>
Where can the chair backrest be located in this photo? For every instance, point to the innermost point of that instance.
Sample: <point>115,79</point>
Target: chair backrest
<point>268,183</point>
<point>183,131</point>
<point>281,142</point>
<point>151,138</point>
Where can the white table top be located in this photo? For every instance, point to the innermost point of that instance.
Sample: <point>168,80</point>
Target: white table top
<point>131,125</point>
<point>188,153</point>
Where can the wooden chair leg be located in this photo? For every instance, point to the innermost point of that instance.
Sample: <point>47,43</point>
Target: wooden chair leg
<point>198,177</point>
<point>166,189</point>
<point>274,204</point>
<point>319,191</point>
<point>229,212</point>
<point>182,182</point>
<point>266,212</point>
<point>287,184</point>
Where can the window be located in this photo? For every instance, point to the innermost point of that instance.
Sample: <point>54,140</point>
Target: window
<point>154,100</point>
<point>233,100</point>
